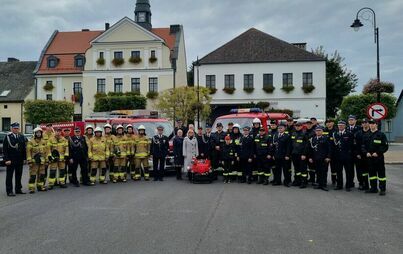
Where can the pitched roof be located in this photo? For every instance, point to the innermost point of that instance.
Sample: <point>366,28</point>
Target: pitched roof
<point>166,35</point>
<point>65,46</point>
<point>400,98</point>
<point>18,79</point>
<point>254,46</point>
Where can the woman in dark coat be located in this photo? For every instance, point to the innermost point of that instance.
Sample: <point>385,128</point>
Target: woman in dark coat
<point>178,153</point>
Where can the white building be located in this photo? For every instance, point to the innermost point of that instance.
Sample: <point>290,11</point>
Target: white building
<point>256,67</point>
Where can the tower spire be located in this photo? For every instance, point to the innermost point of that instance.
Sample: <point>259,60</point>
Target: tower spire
<point>142,14</point>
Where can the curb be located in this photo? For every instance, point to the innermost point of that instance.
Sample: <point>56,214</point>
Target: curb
<point>394,162</point>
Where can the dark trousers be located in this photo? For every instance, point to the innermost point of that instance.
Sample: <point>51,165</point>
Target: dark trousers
<point>355,162</point>
<point>228,168</point>
<point>215,159</point>
<point>345,163</point>
<point>312,172</point>
<point>282,166</point>
<point>333,169</point>
<point>246,168</point>
<point>377,173</point>
<point>321,172</point>
<point>83,163</point>
<point>159,167</point>
<point>300,169</point>
<point>11,170</point>
<point>365,172</point>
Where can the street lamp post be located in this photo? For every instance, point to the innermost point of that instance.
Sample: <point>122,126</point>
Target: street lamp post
<point>356,26</point>
<point>198,93</point>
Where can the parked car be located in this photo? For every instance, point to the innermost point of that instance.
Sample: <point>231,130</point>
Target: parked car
<point>2,136</point>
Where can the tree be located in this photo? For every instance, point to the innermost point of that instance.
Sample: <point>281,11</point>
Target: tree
<point>357,105</point>
<point>382,87</point>
<point>119,101</point>
<point>44,111</point>
<point>184,101</point>
<point>340,81</point>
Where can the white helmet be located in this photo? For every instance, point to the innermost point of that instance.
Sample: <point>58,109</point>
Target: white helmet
<point>141,127</point>
<point>98,129</point>
<point>129,126</point>
<point>107,126</point>
<point>119,127</point>
<point>236,126</point>
<point>256,120</point>
<point>38,129</point>
<point>89,127</point>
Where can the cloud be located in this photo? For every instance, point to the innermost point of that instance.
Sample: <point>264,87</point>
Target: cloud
<point>26,26</point>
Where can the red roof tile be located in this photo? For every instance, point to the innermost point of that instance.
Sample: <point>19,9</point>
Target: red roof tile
<point>164,33</point>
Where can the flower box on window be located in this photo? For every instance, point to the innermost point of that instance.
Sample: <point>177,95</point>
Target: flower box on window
<point>287,89</point>
<point>118,61</point>
<point>269,89</point>
<point>152,95</point>
<point>135,59</point>
<point>101,61</point>
<point>48,87</point>
<point>308,89</point>
<point>229,90</point>
<point>152,59</point>
<point>249,89</point>
<point>212,90</point>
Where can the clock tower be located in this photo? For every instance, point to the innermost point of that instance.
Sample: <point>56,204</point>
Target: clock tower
<point>142,14</point>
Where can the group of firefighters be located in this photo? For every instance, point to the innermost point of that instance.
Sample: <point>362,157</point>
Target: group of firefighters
<point>254,154</point>
<point>247,154</point>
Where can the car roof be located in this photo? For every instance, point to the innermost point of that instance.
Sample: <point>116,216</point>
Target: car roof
<point>244,115</point>
<point>137,120</point>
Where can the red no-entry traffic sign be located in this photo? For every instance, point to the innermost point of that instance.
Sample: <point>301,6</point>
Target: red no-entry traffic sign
<point>377,111</point>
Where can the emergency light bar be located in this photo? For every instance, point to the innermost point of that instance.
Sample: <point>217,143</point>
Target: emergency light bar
<point>246,110</point>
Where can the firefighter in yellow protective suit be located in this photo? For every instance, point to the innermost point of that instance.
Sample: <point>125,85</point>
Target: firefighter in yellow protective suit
<point>142,154</point>
<point>98,153</point>
<point>131,139</point>
<point>37,150</point>
<point>58,151</point>
<point>120,150</point>
<point>109,142</point>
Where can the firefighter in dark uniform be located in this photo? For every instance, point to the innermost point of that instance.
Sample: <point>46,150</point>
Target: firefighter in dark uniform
<point>201,144</point>
<point>375,147</point>
<point>264,157</point>
<point>14,151</point>
<point>228,158</point>
<point>290,126</point>
<point>78,151</point>
<point>208,139</point>
<point>299,142</point>
<point>319,151</point>
<point>218,142</point>
<point>344,147</point>
<point>159,151</point>
<point>236,140</point>
<point>310,132</point>
<point>328,131</point>
<point>282,150</point>
<point>354,128</point>
<point>256,125</point>
<point>229,128</point>
<point>245,155</point>
<point>360,138</point>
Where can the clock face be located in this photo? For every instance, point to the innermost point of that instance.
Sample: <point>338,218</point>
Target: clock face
<point>142,17</point>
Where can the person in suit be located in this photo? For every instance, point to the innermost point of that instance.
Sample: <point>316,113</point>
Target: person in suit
<point>14,149</point>
<point>159,150</point>
<point>282,156</point>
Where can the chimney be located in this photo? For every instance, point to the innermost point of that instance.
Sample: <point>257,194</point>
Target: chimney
<point>174,29</point>
<point>12,60</point>
<point>107,26</point>
<point>85,30</point>
<point>300,45</point>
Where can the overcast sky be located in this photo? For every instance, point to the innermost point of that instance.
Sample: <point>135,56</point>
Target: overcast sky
<point>26,25</point>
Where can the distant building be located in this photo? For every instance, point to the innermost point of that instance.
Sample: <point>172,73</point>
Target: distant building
<point>129,56</point>
<point>393,127</point>
<point>16,85</point>
<point>257,67</point>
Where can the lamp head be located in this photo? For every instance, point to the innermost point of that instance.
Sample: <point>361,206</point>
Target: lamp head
<point>356,25</point>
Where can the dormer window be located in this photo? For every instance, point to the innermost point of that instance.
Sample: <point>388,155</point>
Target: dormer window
<point>52,61</point>
<point>79,61</point>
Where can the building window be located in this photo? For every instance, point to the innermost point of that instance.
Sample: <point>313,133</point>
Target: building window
<point>5,106</point>
<point>101,55</point>
<point>77,88</point>
<point>52,62</point>
<point>248,81</point>
<point>79,61</point>
<point>210,81</point>
<point>101,85</point>
<point>136,54</point>
<point>287,79</point>
<point>5,124</point>
<point>153,54</point>
<point>307,79</point>
<point>118,55</point>
<point>118,85</point>
<point>136,85</point>
<point>49,97</point>
<point>267,80</point>
<point>153,84</point>
<point>229,81</point>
